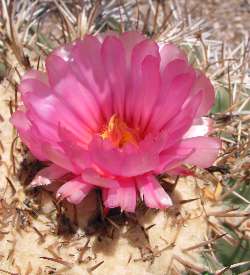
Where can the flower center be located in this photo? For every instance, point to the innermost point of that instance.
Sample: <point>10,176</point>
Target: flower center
<point>118,132</point>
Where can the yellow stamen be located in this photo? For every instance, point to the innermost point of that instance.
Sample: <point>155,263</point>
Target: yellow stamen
<point>118,132</point>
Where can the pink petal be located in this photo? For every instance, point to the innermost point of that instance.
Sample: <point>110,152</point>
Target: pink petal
<point>127,195</point>
<point>127,163</point>
<point>148,89</point>
<point>202,127</point>
<point>113,56</point>
<point>56,155</point>
<point>74,191</point>
<point>180,124</point>
<point>56,68</point>
<point>74,149</point>
<point>130,40</point>
<point>152,193</point>
<point>175,97</point>
<point>87,65</point>
<point>92,177</point>
<point>172,158</point>
<point>202,83</point>
<point>170,52</point>
<point>110,197</point>
<point>80,102</point>
<point>33,93</point>
<point>38,113</point>
<point>206,150</point>
<point>69,139</point>
<point>46,110</point>
<point>123,196</point>
<point>32,85</point>
<point>140,52</point>
<point>172,70</point>
<point>48,174</point>
<point>28,135</point>
<point>47,131</point>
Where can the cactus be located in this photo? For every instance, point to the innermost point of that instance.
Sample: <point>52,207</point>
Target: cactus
<point>207,229</point>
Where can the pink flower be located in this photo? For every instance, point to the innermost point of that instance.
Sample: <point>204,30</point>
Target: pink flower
<point>112,114</point>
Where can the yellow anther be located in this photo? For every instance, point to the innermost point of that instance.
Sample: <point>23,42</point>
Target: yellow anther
<point>118,132</point>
